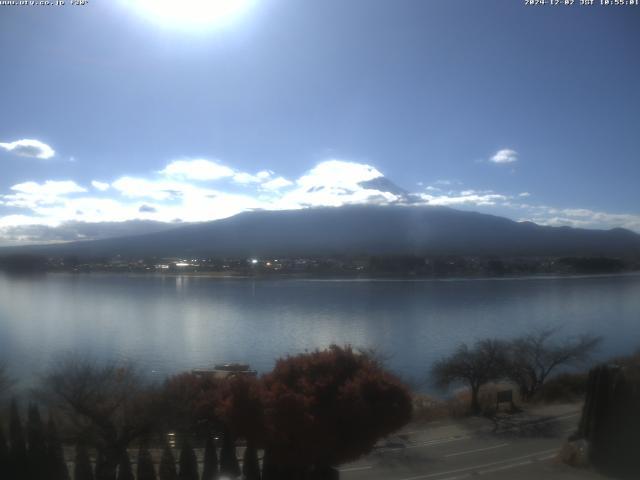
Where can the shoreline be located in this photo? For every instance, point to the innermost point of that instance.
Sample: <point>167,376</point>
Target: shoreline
<point>349,278</point>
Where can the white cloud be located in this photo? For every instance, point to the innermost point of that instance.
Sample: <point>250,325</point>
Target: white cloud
<point>334,183</point>
<point>24,220</point>
<point>102,186</point>
<point>50,187</point>
<point>583,218</point>
<point>208,170</point>
<point>468,197</point>
<point>31,194</point>
<point>505,155</point>
<point>156,189</point>
<point>174,193</point>
<point>246,178</point>
<point>338,174</point>
<point>277,183</point>
<point>88,209</point>
<point>199,169</point>
<point>29,148</point>
<point>31,233</point>
<point>183,200</point>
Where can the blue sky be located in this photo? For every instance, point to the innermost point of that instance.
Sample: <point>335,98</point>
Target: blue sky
<point>111,113</point>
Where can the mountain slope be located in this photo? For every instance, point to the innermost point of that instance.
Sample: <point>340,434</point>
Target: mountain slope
<point>359,230</point>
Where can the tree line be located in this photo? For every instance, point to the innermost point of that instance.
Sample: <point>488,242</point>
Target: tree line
<point>311,412</point>
<point>526,361</point>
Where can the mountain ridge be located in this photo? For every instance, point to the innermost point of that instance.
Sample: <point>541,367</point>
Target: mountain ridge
<point>356,230</point>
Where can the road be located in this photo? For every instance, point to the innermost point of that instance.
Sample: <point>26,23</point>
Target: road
<point>523,446</point>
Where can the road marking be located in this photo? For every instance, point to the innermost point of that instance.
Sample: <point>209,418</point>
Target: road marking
<point>356,469</point>
<point>456,438</point>
<point>438,442</point>
<point>547,457</point>
<point>485,465</point>
<point>458,477</point>
<point>429,443</point>
<point>504,467</point>
<point>476,450</point>
<point>430,429</point>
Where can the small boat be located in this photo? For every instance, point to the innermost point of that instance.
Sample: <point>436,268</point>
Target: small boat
<point>232,367</point>
<point>226,370</point>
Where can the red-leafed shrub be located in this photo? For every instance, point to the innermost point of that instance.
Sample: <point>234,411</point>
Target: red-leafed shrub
<point>241,408</point>
<point>328,407</point>
<point>190,401</point>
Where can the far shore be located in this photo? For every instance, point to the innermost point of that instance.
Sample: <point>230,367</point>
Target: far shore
<point>352,278</point>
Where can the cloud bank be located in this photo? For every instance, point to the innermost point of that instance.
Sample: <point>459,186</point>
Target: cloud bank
<point>197,190</point>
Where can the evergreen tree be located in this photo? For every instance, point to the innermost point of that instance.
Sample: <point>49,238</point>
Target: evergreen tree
<point>188,462</point>
<point>210,471</point>
<point>105,470</point>
<point>124,467</point>
<point>168,465</point>
<point>56,464</point>
<point>4,453</point>
<point>250,463</point>
<point>229,465</point>
<point>269,468</point>
<point>37,451</point>
<point>82,469</point>
<point>17,445</point>
<point>145,465</point>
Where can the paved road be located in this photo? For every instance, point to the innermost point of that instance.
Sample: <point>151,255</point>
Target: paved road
<point>516,447</point>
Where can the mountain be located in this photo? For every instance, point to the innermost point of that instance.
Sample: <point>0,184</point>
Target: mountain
<point>383,184</point>
<point>358,230</point>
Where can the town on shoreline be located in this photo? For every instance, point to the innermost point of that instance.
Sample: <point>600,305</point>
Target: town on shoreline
<point>335,266</point>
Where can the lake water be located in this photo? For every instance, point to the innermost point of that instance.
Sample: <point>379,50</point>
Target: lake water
<point>173,323</point>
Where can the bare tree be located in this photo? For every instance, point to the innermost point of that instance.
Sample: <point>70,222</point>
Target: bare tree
<point>108,405</point>
<point>533,357</point>
<point>474,367</point>
<point>376,354</point>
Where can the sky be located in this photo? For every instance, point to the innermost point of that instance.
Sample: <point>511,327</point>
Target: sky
<point>119,111</point>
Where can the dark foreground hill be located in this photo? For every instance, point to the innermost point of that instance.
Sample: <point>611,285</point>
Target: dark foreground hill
<point>358,230</point>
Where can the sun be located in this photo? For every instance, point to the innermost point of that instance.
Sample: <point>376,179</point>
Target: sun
<point>191,14</point>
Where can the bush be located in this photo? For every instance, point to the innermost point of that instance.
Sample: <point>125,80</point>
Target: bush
<point>329,407</point>
<point>629,360</point>
<point>566,387</point>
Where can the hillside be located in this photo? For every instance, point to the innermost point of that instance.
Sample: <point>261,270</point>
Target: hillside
<point>358,230</point>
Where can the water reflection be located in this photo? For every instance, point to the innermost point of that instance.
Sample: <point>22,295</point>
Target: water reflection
<point>170,323</point>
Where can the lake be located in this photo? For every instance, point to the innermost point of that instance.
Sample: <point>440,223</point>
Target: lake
<point>174,323</point>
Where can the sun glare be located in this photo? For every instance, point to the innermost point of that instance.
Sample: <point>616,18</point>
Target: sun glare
<point>191,14</point>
